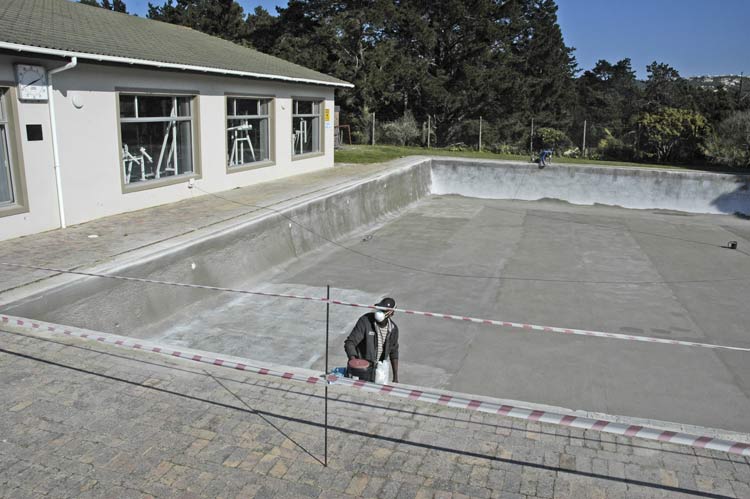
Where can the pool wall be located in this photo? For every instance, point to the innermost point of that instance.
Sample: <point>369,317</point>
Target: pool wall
<point>241,250</point>
<point>639,188</point>
<point>228,257</point>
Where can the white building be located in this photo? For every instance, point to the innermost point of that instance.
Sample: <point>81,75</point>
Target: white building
<point>104,113</point>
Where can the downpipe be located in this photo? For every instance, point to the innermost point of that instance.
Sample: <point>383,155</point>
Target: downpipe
<point>53,126</point>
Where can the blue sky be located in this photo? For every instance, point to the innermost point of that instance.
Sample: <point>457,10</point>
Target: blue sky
<point>696,37</point>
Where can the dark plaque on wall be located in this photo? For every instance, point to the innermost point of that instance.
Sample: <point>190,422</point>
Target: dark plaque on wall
<point>34,132</point>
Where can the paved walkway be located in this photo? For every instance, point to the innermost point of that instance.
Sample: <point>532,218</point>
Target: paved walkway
<point>119,234</point>
<point>87,420</point>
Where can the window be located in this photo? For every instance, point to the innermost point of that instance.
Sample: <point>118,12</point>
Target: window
<point>306,127</point>
<point>157,136</point>
<point>6,179</point>
<point>247,130</point>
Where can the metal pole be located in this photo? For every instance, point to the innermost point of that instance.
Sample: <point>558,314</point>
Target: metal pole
<point>325,435</point>
<point>480,134</point>
<point>583,150</point>
<point>531,141</point>
<point>373,128</point>
<point>429,131</point>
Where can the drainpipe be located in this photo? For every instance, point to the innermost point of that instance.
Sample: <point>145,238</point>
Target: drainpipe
<point>53,126</point>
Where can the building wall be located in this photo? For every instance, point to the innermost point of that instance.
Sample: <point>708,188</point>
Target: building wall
<point>89,142</point>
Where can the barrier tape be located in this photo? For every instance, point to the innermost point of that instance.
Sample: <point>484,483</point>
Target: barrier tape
<point>584,423</point>
<point>475,320</point>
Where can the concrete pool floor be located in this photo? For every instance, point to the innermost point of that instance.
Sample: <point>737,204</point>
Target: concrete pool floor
<point>600,268</point>
<point>654,273</point>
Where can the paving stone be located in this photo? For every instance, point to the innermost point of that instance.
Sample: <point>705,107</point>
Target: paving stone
<point>136,442</point>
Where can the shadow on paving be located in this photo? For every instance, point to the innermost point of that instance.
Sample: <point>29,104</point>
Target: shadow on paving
<point>402,441</point>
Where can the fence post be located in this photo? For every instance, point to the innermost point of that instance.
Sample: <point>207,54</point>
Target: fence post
<point>480,134</point>
<point>531,141</point>
<point>429,131</point>
<point>583,149</point>
<point>373,128</point>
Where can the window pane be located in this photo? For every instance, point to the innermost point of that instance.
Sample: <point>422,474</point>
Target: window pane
<point>306,135</point>
<point>154,106</point>
<point>184,148</point>
<point>304,107</point>
<point>156,150</point>
<point>127,106</point>
<point>6,187</point>
<point>247,107</point>
<point>183,106</point>
<point>247,141</point>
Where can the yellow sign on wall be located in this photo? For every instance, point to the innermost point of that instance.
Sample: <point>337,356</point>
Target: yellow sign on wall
<point>328,114</point>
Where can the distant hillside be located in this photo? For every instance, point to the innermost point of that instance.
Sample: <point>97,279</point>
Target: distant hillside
<point>730,82</point>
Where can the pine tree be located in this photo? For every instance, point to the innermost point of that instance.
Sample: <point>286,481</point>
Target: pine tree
<point>222,18</point>
<point>546,63</point>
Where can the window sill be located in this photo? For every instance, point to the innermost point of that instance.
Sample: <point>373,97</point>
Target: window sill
<point>13,209</point>
<point>250,166</point>
<point>162,182</point>
<point>308,155</point>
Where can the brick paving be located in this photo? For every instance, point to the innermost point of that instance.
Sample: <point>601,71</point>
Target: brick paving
<point>88,420</point>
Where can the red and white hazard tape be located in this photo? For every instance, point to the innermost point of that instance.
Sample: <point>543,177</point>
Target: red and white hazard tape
<point>584,423</point>
<point>552,329</point>
<point>491,322</point>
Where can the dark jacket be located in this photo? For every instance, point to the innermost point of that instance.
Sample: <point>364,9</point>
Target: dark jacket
<point>362,341</point>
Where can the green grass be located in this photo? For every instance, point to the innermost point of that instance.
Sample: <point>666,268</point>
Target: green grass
<point>363,154</point>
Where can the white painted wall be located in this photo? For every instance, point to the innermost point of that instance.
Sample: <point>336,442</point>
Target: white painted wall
<point>89,142</point>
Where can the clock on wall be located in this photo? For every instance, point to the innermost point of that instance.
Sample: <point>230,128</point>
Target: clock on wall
<point>32,82</point>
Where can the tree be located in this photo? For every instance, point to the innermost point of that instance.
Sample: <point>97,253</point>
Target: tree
<point>608,96</point>
<point>116,5</point>
<point>666,88</point>
<point>222,18</point>
<point>262,30</point>
<point>669,130</point>
<point>546,63</point>
<point>730,145</point>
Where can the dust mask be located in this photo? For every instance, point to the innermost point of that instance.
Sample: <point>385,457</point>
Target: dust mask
<point>379,316</point>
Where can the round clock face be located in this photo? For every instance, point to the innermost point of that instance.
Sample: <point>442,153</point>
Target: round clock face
<point>32,82</point>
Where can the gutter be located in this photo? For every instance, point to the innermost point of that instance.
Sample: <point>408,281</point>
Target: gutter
<point>53,125</point>
<point>163,65</point>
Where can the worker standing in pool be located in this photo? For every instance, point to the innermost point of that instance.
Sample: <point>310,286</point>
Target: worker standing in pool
<point>374,338</point>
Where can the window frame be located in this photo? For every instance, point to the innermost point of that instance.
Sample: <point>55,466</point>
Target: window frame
<point>270,116</point>
<point>13,141</point>
<point>194,120</point>
<point>321,127</point>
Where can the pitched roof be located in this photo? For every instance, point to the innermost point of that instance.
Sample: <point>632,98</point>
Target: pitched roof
<point>65,28</point>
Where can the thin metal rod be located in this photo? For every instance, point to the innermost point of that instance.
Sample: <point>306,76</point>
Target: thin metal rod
<point>325,434</point>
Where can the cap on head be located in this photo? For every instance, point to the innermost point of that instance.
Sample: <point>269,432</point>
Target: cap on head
<point>386,303</point>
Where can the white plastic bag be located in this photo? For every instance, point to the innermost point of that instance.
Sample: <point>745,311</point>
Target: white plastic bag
<point>383,372</point>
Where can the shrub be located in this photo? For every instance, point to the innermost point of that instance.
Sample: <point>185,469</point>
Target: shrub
<point>612,148</point>
<point>673,133</point>
<point>550,138</point>
<point>730,145</point>
<point>504,149</point>
<point>404,131</point>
